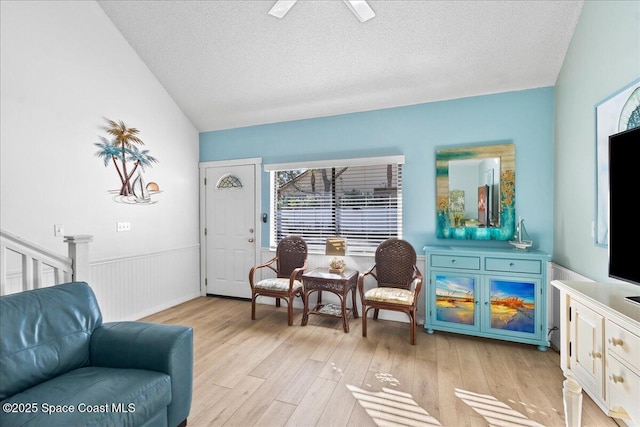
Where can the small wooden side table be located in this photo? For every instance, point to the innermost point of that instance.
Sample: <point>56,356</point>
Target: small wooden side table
<point>320,279</point>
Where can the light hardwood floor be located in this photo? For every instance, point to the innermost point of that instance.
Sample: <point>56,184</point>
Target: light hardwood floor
<point>265,373</point>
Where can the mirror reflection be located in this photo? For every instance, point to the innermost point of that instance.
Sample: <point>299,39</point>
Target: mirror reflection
<point>476,192</point>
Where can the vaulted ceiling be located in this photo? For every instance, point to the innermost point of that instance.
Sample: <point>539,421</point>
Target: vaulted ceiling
<point>230,64</point>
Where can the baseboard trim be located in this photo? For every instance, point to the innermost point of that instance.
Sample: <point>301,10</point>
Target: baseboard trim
<point>165,306</point>
<point>228,297</point>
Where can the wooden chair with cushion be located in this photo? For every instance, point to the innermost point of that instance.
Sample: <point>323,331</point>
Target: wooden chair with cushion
<point>398,283</point>
<point>288,264</point>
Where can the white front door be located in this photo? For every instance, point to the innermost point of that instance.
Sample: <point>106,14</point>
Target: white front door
<point>230,216</point>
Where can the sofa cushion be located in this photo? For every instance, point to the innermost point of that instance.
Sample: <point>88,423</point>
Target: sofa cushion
<point>92,397</point>
<point>45,333</point>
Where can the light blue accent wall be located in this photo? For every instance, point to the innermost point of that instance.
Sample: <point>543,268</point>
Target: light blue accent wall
<point>523,117</point>
<point>603,57</point>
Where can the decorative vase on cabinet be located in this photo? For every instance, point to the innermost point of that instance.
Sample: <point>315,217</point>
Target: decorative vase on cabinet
<point>487,292</point>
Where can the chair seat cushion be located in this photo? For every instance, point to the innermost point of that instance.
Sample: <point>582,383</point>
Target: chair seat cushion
<point>390,295</point>
<point>277,284</point>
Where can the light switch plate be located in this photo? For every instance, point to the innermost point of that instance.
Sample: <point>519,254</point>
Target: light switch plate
<point>123,226</point>
<point>58,230</point>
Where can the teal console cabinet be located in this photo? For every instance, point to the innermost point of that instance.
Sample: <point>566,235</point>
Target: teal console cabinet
<point>488,292</point>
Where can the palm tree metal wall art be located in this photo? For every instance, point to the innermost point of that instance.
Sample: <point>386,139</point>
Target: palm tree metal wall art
<point>122,151</point>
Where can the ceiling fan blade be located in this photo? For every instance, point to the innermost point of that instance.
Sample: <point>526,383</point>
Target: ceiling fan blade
<point>361,9</point>
<point>281,8</point>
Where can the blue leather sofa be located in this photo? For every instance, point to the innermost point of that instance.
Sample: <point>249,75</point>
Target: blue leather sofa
<point>61,366</point>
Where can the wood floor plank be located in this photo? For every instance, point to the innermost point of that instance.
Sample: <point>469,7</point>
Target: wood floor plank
<point>205,367</point>
<point>342,401</point>
<point>452,410</point>
<point>339,407</point>
<point>272,361</point>
<point>329,339</point>
<point>425,389</point>
<point>382,361</point>
<point>360,418</point>
<point>277,414</point>
<point>548,377</point>
<point>592,415</point>
<point>313,403</point>
<point>500,381</point>
<point>426,344</point>
<point>220,409</point>
<point>301,382</point>
<point>246,356</point>
<point>473,379</point>
<point>265,373</point>
<point>529,392</point>
<point>207,397</point>
<point>268,323</point>
<point>337,362</point>
<point>403,364</point>
<point>262,398</point>
<point>492,353</point>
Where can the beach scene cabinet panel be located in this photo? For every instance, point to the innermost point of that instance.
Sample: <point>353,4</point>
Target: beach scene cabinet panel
<point>455,300</point>
<point>513,306</point>
<point>493,293</point>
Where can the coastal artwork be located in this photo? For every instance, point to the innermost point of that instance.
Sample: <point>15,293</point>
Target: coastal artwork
<point>512,303</point>
<point>129,162</point>
<point>513,306</point>
<point>455,299</point>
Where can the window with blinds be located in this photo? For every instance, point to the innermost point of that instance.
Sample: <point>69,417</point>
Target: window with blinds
<point>359,202</point>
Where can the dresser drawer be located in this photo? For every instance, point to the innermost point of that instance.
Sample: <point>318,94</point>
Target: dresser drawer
<point>624,389</point>
<point>623,343</point>
<point>511,265</point>
<point>454,261</point>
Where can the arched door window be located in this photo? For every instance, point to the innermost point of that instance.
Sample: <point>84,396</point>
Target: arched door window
<point>228,181</point>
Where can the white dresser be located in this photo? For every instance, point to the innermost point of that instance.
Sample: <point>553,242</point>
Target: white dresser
<point>600,348</point>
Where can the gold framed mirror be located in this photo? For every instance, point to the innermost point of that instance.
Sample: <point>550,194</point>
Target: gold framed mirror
<point>475,192</point>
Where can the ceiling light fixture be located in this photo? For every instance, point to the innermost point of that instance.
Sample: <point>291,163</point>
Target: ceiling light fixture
<point>360,9</point>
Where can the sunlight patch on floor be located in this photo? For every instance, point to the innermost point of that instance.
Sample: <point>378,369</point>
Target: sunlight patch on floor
<point>388,378</point>
<point>392,408</point>
<point>494,411</point>
<point>529,407</point>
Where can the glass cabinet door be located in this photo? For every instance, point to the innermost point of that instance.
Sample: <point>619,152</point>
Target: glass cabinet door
<point>513,306</point>
<point>455,300</point>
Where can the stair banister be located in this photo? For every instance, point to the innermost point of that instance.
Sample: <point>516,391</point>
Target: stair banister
<point>34,258</point>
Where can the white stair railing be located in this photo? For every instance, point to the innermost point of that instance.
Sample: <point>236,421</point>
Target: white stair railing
<point>36,267</point>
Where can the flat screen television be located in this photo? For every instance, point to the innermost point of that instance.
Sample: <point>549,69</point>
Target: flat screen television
<point>624,193</point>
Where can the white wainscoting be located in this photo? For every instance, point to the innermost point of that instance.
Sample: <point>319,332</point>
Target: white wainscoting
<point>558,272</point>
<point>360,263</point>
<point>133,287</point>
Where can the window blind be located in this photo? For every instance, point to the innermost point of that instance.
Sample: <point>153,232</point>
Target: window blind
<point>359,202</point>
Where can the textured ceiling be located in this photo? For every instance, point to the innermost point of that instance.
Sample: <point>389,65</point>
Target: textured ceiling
<point>229,64</point>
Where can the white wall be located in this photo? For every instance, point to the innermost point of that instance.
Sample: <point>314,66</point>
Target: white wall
<point>603,57</point>
<point>64,68</point>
